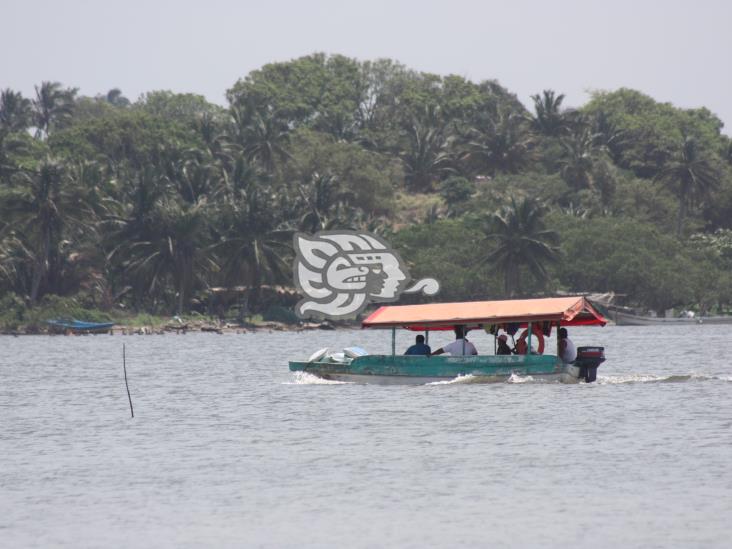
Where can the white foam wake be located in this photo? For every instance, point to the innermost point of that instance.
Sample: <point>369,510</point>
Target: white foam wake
<point>469,378</point>
<point>304,378</point>
<point>515,378</point>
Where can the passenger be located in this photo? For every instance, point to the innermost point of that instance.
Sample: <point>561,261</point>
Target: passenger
<point>461,346</point>
<point>567,350</point>
<point>419,347</point>
<point>503,348</point>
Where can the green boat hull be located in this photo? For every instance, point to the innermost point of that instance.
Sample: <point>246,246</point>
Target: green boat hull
<point>400,369</point>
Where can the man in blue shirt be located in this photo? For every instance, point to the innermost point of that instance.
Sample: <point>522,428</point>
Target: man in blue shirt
<point>419,348</point>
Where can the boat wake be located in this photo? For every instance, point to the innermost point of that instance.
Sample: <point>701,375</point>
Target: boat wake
<point>515,378</point>
<point>641,378</point>
<point>304,378</point>
<point>459,380</point>
<point>471,379</point>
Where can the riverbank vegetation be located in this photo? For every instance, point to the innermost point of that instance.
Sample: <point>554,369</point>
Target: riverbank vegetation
<point>159,204</point>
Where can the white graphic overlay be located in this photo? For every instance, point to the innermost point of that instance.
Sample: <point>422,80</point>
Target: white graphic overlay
<point>341,272</point>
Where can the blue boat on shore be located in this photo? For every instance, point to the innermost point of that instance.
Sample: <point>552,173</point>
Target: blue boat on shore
<point>80,326</point>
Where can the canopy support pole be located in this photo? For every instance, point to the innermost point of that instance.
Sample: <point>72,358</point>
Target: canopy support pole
<point>427,337</point>
<point>528,347</point>
<point>393,341</point>
<point>559,323</point>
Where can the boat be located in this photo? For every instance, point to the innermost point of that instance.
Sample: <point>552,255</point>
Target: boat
<point>625,318</point>
<point>80,326</point>
<point>628,316</point>
<point>534,315</point>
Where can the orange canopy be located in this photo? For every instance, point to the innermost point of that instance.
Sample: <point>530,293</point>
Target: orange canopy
<point>570,311</point>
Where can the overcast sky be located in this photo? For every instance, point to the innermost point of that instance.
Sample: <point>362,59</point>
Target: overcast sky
<point>677,51</point>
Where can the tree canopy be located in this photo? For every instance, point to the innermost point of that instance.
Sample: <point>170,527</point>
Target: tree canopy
<point>147,204</point>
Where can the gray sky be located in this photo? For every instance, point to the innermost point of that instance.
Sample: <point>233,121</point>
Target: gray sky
<point>672,50</point>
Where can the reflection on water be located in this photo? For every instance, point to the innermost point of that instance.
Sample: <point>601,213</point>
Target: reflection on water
<point>230,449</point>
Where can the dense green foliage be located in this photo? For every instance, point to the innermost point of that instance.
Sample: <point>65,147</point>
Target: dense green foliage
<point>146,205</point>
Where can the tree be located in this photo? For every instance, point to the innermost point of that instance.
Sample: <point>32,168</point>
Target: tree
<point>580,155</point>
<point>115,98</point>
<point>691,174</point>
<point>261,134</point>
<point>500,143</point>
<point>368,177</point>
<point>11,144</point>
<point>317,91</point>
<point>426,156</point>
<point>251,248</point>
<point>52,107</point>
<point>548,119</point>
<point>324,202</point>
<point>40,209</point>
<point>175,252</point>
<point>15,111</point>
<point>456,191</point>
<point>521,240</point>
<point>184,108</point>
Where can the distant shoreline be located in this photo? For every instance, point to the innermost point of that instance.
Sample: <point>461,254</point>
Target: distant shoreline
<point>182,329</point>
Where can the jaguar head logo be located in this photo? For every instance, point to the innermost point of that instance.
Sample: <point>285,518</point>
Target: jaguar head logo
<point>341,272</point>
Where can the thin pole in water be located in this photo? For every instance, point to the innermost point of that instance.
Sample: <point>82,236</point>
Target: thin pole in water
<point>124,367</point>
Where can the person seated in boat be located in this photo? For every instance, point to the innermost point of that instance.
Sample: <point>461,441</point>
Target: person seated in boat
<point>503,348</point>
<point>567,350</point>
<point>419,347</point>
<point>460,347</point>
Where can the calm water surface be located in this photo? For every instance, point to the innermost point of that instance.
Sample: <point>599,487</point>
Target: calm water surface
<point>229,449</point>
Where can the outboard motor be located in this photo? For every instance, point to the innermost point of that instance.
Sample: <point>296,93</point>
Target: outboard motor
<point>588,360</point>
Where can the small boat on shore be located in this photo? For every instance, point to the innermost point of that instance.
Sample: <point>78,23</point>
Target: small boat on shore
<point>531,314</point>
<point>628,316</point>
<point>624,318</point>
<point>80,326</point>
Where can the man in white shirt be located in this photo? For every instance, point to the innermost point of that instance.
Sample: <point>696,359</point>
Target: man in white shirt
<point>460,347</point>
<point>567,350</point>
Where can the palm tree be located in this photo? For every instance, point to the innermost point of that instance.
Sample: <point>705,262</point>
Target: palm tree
<point>522,240</point>
<point>16,261</point>
<point>40,209</point>
<point>580,154</point>
<point>10,144</point>
<point>192,173</point>
<point>251,248</point>
<point>261,135</point>
<point>501,143</point>
<point>324,202</point>
<point>691,174</point>
<point>548,119</point>
<point>210,129</point>
<point>132,212</point>
<point>175,251</point>
<point>426,157</point>
<point>608,135</point>
<point>15,115</point>
<point>52,107</point>
<point>15,111</point>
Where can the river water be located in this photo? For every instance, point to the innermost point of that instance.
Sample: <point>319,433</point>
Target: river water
<point>230,449</point>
